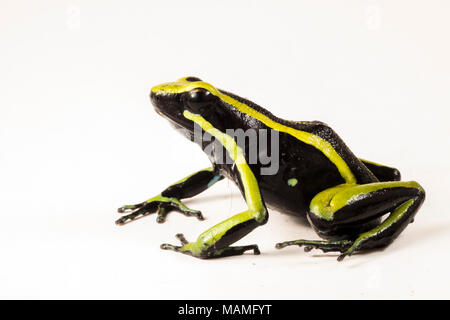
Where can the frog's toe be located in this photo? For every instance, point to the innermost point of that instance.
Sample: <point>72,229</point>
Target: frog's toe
<point>192,213</point>
<point>352,248</point>
<point>159,205</point>
<point>342,256</point>
<point>168,246</point>
<point>325,246</point>
<point>179,206</point>
<point>137,211</point>
<point>130,207</point>
<point>182,239</point>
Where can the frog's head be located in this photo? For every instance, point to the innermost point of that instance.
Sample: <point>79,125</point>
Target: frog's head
<point>172,99</point>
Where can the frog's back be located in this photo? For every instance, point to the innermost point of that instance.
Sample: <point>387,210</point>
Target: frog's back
<point>312,158</point>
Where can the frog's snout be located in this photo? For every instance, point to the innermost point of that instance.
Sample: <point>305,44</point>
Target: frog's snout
<point>154,97</point>
<point>156,100</point>
<point>163,100</point>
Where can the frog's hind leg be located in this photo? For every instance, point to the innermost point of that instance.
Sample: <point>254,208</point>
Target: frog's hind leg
<point>349,212</point>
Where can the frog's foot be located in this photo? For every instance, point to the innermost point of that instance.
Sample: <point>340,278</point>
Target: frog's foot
<point>159,204</point>
<point>326,246</point>
<point>356,211</point>
<point>198,251</point>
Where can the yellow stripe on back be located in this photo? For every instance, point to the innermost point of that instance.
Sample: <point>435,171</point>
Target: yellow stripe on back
<point>324,146</point>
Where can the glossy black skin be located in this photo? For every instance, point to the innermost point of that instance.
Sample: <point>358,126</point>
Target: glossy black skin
<point>353,224</point>
<point>304,176</point>
<point>309,166</point>
<point>312,168</point>
<point>361,215</point>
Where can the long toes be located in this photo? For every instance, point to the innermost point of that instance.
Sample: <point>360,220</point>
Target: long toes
<point>129,207</point>
<point>182,239</point>
<point>143,211</point>
<point>198,215</point>
<point>161,214</point>
<point>342,256</point>
<point>325,246</point>
<point>285,244</point>
<point>181,207</point>
<point>191,213</point>
<point>256,250</point>
<point>347,253</point>
<point>125,219</point>
<point>167,246</point>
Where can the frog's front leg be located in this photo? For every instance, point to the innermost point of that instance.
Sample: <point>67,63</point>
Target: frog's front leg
<point>225,252</point>
<point>351,213</point>
<point>169,199</point>
<point>215,242</point>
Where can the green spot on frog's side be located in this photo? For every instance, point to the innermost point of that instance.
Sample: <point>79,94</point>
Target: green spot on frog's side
<point>292,182</point>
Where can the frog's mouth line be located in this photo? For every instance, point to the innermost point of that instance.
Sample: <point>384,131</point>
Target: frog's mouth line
<point>170,117</point>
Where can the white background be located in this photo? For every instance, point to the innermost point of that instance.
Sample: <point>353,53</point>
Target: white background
<point>79,138</point>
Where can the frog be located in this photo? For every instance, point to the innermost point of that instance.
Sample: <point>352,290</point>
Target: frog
<point>354,205</point>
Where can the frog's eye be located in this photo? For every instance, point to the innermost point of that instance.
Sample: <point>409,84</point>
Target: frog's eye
<point>192,79</point>
<point>199,97</point>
